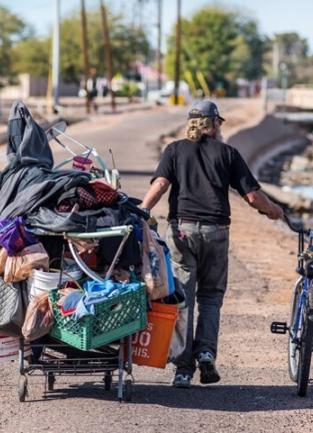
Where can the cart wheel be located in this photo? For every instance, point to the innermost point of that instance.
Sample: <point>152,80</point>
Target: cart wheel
<point>22,388</point>
<point>107,381</point>
<point>128,390</point>
<point>51,381</point>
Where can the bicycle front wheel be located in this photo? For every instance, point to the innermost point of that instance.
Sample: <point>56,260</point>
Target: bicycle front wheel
<point>293,343</point>
<point>305,353</point>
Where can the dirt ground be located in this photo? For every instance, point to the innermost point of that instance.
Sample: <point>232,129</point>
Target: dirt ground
<point>255,393</point>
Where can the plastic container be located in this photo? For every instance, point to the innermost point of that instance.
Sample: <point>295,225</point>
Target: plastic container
<point>82,163</point>
<point>114,319</point>
<point>42,281</point>
<point>151,346</point>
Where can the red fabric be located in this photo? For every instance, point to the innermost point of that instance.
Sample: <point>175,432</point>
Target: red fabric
<point>86,199</point>
<point>105,194</point>
<point>94,196</point>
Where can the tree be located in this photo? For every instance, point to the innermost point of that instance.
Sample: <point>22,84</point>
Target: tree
<point>223,45</point>
<point>32,55</point>
<point>207,42</point>
<point>248,55</point>
<point>128,44</point>
<point>292,50</point>
<point>12,29</point>
<point>291,46</point>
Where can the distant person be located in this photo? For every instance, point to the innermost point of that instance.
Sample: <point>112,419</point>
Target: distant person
<point>92,89</point>
<point>200,170</point>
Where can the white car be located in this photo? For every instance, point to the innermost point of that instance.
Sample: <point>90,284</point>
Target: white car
<point>162,96</point>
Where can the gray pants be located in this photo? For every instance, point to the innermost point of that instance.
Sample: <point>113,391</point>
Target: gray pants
<point>200,262</point>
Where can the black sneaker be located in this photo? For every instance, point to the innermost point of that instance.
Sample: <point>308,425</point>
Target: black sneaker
<point>208,372</point>
<point>181,381</point>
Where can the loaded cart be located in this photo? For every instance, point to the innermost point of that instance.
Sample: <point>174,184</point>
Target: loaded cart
<point>80,347</point>
<point>59,210</point>
<point>78,263</point>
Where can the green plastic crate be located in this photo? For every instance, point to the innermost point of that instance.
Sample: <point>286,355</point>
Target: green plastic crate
<point>114,319</point>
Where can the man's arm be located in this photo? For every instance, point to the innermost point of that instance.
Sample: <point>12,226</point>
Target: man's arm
<point>155,192</point>
<point>258,200</point>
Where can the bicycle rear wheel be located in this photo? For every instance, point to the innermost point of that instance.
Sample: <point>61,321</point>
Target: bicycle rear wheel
<point>305,353</point>
<point>293,345</point>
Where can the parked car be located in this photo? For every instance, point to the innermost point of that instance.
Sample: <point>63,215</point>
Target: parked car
<point>165,95</point>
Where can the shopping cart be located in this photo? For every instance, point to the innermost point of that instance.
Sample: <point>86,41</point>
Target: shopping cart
<point>69,352</point>
<point>62,353</point>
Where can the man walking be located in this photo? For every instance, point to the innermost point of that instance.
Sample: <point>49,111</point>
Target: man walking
<point>200,170</point>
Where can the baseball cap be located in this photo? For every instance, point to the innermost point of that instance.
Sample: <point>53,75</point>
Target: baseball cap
<point>204,108</point>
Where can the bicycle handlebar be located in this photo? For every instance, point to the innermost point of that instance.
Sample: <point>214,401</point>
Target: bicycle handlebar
<point>294,228</point>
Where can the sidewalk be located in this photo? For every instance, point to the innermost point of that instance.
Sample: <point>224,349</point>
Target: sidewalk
<point>73,110</point>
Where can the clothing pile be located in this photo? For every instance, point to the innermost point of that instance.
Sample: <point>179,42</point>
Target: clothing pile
<point>82,303</point>
<point>37,202</point>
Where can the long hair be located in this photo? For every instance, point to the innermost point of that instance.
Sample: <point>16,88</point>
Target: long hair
<point>199,126</point>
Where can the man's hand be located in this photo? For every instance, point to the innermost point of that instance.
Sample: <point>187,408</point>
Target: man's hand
<point>276,212</point>
<point>258,200</point>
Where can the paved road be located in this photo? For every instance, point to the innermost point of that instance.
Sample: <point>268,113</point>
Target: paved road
<point>129,140</point>
<point>255,394</point>
<point>132,138</point>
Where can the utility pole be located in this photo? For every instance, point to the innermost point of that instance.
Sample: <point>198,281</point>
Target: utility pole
<point>107,51</point>
<point>85,51</point>
<point>284,83</point>
<point>178,47</point>
<point>159,44</point>
<point>56,54</point>
<point>276,59</point>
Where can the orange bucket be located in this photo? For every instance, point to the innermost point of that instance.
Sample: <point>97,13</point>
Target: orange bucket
<point>151,345</point>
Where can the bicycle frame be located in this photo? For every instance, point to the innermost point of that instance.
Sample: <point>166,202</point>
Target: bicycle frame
<point>299,316</point>
<point>307,283</point>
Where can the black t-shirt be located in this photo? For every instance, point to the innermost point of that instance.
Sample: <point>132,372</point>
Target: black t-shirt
<point>201,174</point>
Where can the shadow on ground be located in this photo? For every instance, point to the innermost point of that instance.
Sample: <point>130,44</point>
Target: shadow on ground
<point>136,173</point>
<point>228,398</point>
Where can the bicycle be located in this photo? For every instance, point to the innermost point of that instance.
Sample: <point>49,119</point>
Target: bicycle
<point>300,330</point>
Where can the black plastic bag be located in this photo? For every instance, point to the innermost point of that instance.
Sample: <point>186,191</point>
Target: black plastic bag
<point>131,254</point>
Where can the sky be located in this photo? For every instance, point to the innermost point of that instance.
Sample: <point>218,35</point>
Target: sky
<point>273,16</point>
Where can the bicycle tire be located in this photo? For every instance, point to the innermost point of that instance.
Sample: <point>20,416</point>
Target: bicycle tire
<point>305,354</point>
<point>293,351</point>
